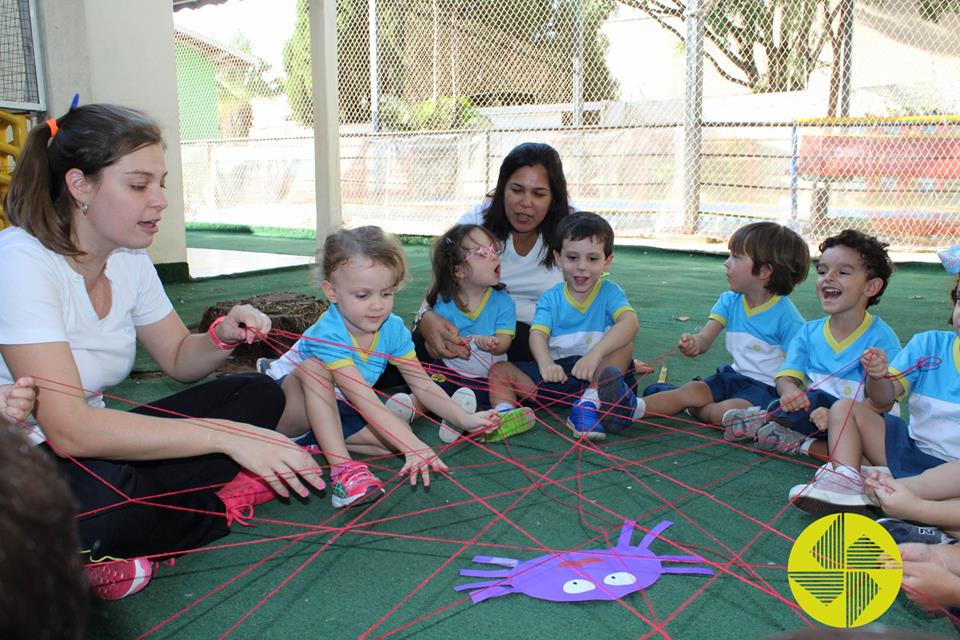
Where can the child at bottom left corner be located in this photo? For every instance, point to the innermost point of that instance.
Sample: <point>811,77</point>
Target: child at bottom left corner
<point>344,354</point>
<point>36,513</point>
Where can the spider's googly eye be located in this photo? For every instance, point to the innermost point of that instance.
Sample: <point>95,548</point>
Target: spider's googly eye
<point>620,579</point>
<point>578,586</point>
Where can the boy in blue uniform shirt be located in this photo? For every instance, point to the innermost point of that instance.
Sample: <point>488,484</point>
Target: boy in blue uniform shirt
<point>766,262</point>
<point>580,327</point>
<point>823,361</point>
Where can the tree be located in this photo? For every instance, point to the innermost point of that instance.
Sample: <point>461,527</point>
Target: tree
<point>766,45</point>
<point>772,45</point>
<point>546,26</point>
<point>237,85</point>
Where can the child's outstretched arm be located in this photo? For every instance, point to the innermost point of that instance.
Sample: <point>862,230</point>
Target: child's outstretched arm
<point>694,344</point>
<point>17,400</point>
<point>550,371</point>
<point>933,497</point>
<point>431,396</point>
<point>420,458</point>
<point>621,334</point>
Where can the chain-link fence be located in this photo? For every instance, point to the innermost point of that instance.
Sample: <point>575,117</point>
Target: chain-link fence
<point>821,114</point>
<point>21,79</point>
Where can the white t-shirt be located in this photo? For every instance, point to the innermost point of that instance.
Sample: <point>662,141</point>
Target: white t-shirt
<point>525,278</point>
<point>45,300</point>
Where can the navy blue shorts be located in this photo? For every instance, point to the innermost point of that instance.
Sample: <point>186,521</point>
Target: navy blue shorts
<point>726,383</point>
<point>904,458</point>
<point>550,392</point>
<point>800,420</point>
<point>351,422</point>
<point>566,392</point>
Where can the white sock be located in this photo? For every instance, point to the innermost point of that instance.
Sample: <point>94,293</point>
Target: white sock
<point>503,407</point>
<point>847,472</point>
<point>641,408</point>
<point>591,395</point>
<point>805,446</point>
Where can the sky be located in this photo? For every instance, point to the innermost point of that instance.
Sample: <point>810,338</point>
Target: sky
<point>267,23</point>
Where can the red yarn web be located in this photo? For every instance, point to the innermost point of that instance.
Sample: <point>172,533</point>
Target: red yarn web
<point>566,471</point>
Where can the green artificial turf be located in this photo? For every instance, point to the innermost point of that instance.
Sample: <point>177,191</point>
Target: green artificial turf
<point>307,570</point>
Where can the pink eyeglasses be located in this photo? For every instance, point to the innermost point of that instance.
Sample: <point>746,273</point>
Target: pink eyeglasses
<point>487,252</point>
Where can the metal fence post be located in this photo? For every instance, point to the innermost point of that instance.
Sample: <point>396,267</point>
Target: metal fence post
<point>374,66</point>
<point>794,178</point>
<point>693,119</point>
<point>578,63</point>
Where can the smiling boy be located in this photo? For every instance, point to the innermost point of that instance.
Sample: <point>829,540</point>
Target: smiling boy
<point>823,361</point>
<point>580,326</point>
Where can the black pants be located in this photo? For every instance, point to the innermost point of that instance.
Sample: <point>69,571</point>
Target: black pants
<point>519,352</point>
<point>133,530</point>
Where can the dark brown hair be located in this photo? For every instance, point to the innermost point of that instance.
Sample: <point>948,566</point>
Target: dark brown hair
<point>582,225</point>
<point>954,294</point>
<point>88,138</point>
<point>772,244</point>
<point>530,154</point>
<point>872,252</point>
<point>43,593</point>
<point>447,254</point>
<point>369,242</point>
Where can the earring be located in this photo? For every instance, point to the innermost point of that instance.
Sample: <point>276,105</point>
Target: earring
<point>83,208</point>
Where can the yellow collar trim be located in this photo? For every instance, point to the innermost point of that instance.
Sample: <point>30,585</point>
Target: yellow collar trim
<point>760,308</point>
<point>582,308</point>
<point>364,354</point>
<point>956,353</point>
<point>850,339</point>
<point>473,315</point>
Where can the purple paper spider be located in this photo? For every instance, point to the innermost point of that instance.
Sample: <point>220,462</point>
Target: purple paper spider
<point>573,576</point>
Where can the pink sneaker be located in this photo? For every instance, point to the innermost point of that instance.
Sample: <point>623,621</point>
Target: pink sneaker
<point>354,484</point>
<point>118,579</point>
<point>831,492</point>
<point>241,494</point>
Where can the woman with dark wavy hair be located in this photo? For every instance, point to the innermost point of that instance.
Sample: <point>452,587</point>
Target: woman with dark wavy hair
<point>523,212</point>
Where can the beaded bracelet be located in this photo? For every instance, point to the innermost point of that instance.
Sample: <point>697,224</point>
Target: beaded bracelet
<point>212,332</point>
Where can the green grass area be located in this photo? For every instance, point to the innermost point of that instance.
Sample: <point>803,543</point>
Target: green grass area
<point>399,559</point>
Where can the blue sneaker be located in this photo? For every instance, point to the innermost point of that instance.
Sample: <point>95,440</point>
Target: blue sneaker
<point>658,387</point>
<point>617,401</point>
<point>584,421</point>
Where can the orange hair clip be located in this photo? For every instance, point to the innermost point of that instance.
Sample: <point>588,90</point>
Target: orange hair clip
<point>52,123</point>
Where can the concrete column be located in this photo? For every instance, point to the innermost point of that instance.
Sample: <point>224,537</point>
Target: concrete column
<point>121,52</point>
<point>326,117</point>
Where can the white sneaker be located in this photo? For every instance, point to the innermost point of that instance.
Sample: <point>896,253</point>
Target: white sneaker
<point>831,492</point>
<point>401,405</point>
<point>467,400</point>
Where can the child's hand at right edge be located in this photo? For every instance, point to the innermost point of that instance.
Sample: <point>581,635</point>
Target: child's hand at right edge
<point>420,462</point>
<point>17,400</point>
<point>688,345</point>
<point>875,363</point>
